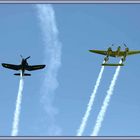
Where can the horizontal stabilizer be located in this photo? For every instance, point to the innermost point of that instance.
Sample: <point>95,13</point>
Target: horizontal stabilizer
<point>25,74</point>
<point>112,64</point>
<point>18,74</point>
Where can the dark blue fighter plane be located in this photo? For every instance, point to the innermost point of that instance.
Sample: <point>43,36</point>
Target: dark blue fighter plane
<point>23,66</point>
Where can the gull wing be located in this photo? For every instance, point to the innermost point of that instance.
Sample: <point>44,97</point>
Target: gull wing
<point>35,67</point>
<point>11,66</point>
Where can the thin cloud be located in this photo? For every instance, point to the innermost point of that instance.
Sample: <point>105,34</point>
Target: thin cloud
<point>52,51</point>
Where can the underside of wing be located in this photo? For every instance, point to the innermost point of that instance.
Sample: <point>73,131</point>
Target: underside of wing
<point>99,52</point>
<point>35,67</point>
<point>133,52</point>
<point>11,66</point>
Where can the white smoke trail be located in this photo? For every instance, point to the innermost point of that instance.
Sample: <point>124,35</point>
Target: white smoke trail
<point>90,103</point>
<point>18,108</point>
<point>46,15</point>
<point>105,104</point>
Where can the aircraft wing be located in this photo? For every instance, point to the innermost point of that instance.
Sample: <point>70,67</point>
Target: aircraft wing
<point>133,52</point>
<point>99,52</point>
<point>102,52</point>
<point>129,53</point>
<point>11,66</point>
<point>35,67</point>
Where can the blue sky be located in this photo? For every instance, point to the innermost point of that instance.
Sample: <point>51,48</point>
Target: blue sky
<point>81,27</point>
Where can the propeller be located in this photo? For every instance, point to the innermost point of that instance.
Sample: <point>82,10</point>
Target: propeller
<point>27,57</point>
<point>21,56</point>
<point>125,45</point>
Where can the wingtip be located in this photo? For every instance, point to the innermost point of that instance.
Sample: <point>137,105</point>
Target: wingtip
<point>3,64</point>
<point>93,51</point>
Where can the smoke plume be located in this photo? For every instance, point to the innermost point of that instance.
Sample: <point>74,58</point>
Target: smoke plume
<point>90,103</point>
<point>105,104</point>
<point>15,127</point>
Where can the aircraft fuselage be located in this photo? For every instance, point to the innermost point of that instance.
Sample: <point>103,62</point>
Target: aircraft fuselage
<point>24,64</point>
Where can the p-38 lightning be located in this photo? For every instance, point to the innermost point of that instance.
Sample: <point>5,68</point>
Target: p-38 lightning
<point>23,66</point>
<point>118,53</point>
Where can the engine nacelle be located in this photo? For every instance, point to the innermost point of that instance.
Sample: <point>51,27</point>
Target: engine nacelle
<point>126,49</point>
<point>109,51</point>
<point>118,50</point>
